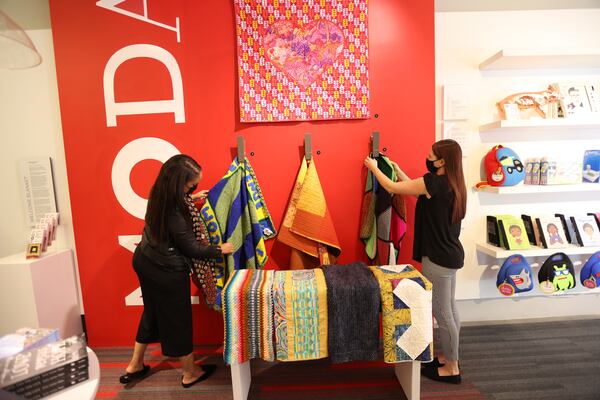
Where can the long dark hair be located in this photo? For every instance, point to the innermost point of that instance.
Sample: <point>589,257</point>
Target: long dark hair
<point>451,152</point>
<point>167,196</point>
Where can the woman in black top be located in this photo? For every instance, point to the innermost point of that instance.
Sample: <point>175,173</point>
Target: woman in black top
<point>441,206</point>
<point>162,263</point>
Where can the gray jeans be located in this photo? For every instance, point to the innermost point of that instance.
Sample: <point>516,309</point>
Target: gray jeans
<point>444,306</point>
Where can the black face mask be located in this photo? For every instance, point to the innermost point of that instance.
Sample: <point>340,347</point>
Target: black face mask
<point>430,167</point>
<point>192,189</point>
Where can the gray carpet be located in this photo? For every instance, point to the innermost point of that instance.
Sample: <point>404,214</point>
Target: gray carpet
<point>533,361</point>
<point>549,360</point>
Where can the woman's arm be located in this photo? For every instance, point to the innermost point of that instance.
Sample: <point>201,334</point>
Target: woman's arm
<point>406,186</point>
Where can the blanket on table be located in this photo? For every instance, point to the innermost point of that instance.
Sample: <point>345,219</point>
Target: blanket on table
<point>406,313</point>
<point>307,226</point>
<point>383,217</point>
<point>353,304</point>
<point>300,301</point>
<point>235,212</point>
<point>248,316</point>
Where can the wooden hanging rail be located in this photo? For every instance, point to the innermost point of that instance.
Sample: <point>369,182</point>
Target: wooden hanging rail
<point>375,144</point>
<point>307,147</point>
<point>241,148</point>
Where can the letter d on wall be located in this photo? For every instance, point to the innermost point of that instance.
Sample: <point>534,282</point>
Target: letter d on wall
<point>142,107</point>
<point>147,148</point>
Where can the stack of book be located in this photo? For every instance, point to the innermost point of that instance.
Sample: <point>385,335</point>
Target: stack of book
<point>44,370</point>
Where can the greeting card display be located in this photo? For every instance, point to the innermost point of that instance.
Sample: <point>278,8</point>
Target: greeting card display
<point>552,233</point>
<point>586,230</point>
<point>513,235</point>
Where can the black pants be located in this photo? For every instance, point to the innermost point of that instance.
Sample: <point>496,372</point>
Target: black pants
<point>167,316</point>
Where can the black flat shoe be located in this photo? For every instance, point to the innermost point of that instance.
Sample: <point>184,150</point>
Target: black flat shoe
<point>432,364</point>
<point>132,376</point>
<point>433,373</point>
<point>208,370</point>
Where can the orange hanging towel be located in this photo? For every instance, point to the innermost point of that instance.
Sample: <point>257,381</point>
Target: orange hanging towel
<point>307,226</point>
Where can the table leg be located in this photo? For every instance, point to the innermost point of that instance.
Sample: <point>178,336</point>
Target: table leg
<point>240,380</point>
<point>409,376</point>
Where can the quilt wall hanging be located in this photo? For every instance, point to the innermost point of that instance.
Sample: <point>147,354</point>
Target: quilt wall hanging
<point>302,61</point>
<point>406,313</point>
<point>307,226</point>
<point>235,211</point>
<point>383,217</point>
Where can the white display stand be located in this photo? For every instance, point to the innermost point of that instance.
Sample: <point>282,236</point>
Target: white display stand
<point>40,293</point>
<point>408,374</point>
<point>86,389</point>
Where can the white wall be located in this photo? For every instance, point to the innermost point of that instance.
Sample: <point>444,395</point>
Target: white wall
<point>30,127</point>
<point>463,40</point>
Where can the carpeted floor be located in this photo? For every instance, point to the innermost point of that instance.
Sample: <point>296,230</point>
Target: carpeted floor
<point>550,360</point>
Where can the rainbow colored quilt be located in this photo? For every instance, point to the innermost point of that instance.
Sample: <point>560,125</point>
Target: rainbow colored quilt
<point>304,60</point>
<point>406,313</point>
<point>248,316</point>
<point>300,300</point>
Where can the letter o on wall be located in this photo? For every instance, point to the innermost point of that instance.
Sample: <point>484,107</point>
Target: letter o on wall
<point>146,148</point>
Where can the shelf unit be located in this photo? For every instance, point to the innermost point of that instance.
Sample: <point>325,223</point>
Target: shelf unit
<point>542,59</point>
<point>528,189</point>
<point>534,251</point>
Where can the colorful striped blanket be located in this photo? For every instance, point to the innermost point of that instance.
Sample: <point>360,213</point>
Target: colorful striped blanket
<point>406,313</point>
<point>307,226</point>
<point>300,300</point>
<point>235,212</point>
<point>383,217</point>
<point>248,316</point>
<point>353,304</point>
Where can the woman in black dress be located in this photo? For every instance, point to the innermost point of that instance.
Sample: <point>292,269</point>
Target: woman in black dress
<point>162,261</point>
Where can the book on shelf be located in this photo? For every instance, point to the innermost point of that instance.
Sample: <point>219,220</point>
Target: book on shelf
<point>26,339</point>
<point>44,370</point>
<point>493,229</point>
<point>531,228</point>
<point>586,229</point>
<point>552,233</point>
<point>569,229</point>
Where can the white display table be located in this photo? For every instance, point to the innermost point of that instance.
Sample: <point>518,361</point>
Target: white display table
<point>86,389</point>
<point>39,293</point>
<point>408,374</point>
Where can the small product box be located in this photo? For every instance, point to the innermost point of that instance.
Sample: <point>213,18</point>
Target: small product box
<point>591,166</point>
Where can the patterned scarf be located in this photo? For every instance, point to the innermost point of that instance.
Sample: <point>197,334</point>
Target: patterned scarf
<point>202,268</point>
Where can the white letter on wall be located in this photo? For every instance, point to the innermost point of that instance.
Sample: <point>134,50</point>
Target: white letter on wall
<point>142,107</point>
<point>147,148</point>
<point>110,5</point>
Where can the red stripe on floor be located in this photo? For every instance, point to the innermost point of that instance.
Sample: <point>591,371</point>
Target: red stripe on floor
<point>106,394</point>
<point>280,388</point>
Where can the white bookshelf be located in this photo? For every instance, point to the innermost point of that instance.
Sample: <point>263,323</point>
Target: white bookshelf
<point>534,251</point>
<point>542,59</point>
<point>526,189</point>
<point>541,125</point>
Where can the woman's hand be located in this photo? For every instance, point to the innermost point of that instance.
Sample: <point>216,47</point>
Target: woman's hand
<point>370,163</point>
<point>226,248</point>
<point>200,195</point>
<point>397,169</point>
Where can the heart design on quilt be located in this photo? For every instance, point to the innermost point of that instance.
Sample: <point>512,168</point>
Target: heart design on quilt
<point>303,53</point>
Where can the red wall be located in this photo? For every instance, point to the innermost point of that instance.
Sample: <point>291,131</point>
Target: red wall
<point>401,52</point>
